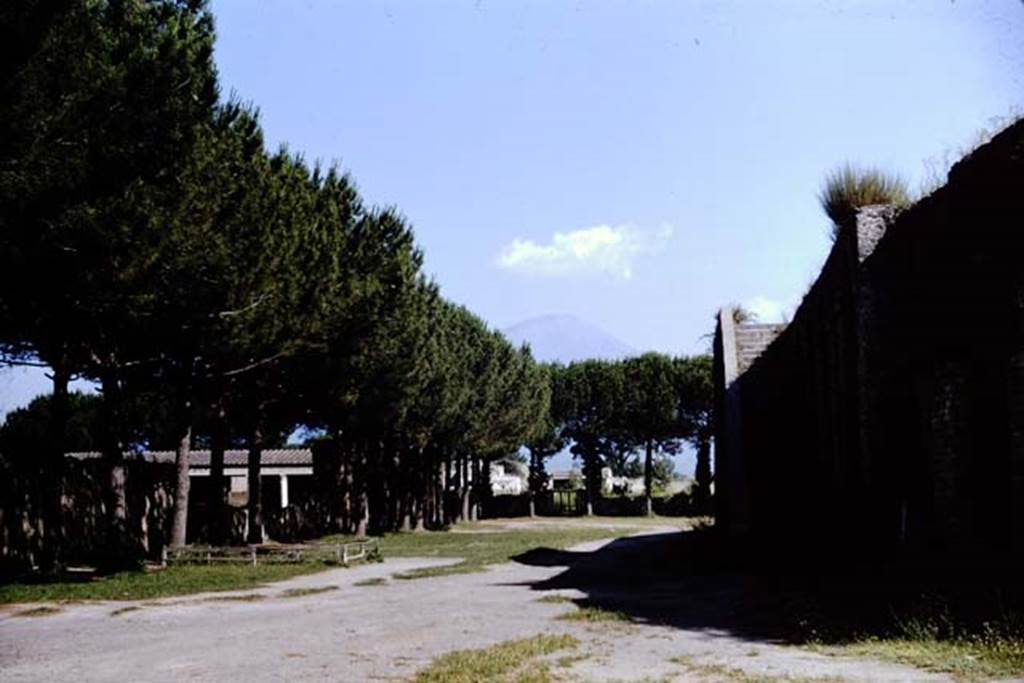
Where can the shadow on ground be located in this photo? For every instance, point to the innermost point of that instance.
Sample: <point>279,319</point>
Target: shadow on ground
<point>686,580</point>
<point>654,578</point>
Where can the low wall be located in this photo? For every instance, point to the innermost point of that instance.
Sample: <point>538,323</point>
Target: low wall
<point>559,504</point>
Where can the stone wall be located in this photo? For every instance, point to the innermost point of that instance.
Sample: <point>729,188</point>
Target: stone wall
<point>889,414</point>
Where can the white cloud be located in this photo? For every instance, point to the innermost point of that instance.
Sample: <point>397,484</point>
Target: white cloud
<point>764,309</point>
<point>609,249</point>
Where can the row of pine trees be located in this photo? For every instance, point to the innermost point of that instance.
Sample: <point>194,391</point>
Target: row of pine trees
<point>150,242</point>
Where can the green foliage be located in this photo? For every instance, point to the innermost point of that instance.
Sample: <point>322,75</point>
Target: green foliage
<point>653,403</point>
<point>849,188</point>
<point>26,431</point>
<point>695,402</point>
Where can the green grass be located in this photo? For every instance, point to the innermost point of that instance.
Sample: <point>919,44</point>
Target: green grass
<point>970,659</point>
<point>969,633</point>
<point>513,661</point>
<point>143,585</point>
<point>479,548</point>
<point>243,597</point>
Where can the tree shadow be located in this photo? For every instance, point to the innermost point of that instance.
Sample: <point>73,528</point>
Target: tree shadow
<point>691,580</point>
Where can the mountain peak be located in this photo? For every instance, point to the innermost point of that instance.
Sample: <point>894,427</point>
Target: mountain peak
<point>563,338</point>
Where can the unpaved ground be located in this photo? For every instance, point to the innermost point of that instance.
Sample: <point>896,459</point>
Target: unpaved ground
<point>386,632</point>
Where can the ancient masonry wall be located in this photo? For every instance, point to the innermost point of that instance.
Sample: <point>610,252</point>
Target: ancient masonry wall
<point>889,414</point>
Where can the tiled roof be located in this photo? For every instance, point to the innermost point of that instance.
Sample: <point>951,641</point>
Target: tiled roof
<point>271,457</point>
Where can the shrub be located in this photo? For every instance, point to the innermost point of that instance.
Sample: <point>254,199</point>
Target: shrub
<point>848,188</point>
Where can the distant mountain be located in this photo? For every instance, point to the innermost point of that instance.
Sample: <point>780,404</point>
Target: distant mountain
<point>565,338</point>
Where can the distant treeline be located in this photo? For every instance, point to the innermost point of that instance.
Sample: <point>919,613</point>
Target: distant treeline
<point>223,293</point>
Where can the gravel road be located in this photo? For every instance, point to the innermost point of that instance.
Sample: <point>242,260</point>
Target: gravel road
<point>387,632</point>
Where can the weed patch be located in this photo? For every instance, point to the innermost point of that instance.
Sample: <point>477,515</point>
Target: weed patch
<point>554,599</point>
<point>513,661</point>
<point>591,614</point>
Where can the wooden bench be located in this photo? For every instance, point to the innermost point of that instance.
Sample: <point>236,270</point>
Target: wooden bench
<point>328,553</point>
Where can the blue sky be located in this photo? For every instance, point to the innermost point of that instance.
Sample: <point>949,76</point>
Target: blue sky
<point>636,164</point>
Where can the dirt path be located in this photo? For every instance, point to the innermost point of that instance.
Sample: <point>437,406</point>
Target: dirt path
<point>386,632</point>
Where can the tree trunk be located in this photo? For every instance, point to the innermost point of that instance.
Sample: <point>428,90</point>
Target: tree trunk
<point>702,477</point>
<point>362,499</point>
<point>405,476</point>
<point>255,535</point>
<point>536,480</point>
<point>484,491</point>
<point>440,486</point>
<point>464,493</point>
<point>348,502</point>
<point>217,509</point>
<point>648,478</point>
<point>51,560</point>
<point>588,484</point>
<point>179,523</point>
<point>119,547</point>
<point>422,490</point>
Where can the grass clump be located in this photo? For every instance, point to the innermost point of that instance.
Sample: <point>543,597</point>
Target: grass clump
<point>554,599</point>
<point>145,585</point>
<point>244,597</point>
<point>125,610</point>
<point>513,661</point>
<point>300,592</point>
<point>375,581</point>
<point>591,613</point>
<point>43,611</point>
<point>479,548</point>
<point>849,188</point>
